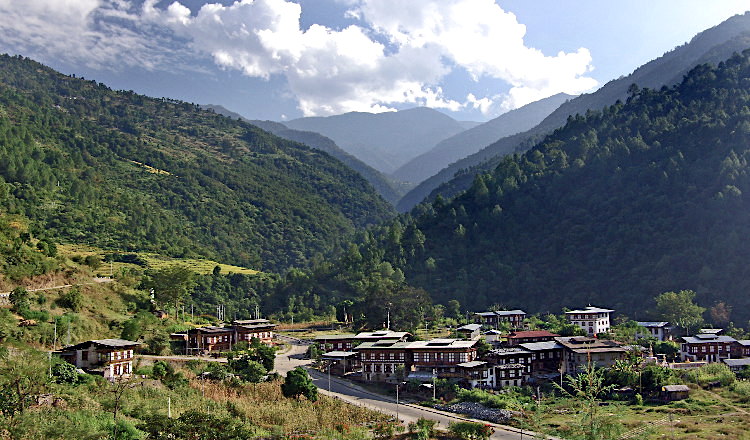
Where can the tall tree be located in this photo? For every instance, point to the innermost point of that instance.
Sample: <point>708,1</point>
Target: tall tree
<point>171,284</point>
<point>680,309</point>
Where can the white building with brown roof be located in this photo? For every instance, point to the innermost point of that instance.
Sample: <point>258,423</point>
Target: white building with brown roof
<point>112,358</point>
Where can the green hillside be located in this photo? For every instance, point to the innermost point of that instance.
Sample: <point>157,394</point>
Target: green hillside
<point>617,206</point>
<point>123,171</point>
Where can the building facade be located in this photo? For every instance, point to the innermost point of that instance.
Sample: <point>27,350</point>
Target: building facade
<point>593,320</point>
<point>113,358</point>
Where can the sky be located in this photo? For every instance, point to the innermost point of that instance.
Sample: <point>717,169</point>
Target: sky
<point>284,59</point>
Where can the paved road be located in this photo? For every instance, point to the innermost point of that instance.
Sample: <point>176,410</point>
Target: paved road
<point>351,393</point>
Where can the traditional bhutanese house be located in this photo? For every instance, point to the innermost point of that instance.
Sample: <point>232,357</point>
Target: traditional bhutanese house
<point>521,337</point>
<point>339,342</point>
<point>381,359</point>
<point>477,374</point>
<point>493,336</point>
<point>440,356</point>
<point>593,320</point>
<point>112,358</point>
<point>210,339</point>
<point>737,365</point>
<point>469,331</point>
<point>708,347</point>
<point>510,356</point>
<point>741,348</point>
<point>341,362</point>
<point>493,319</point>
<point>510,375</point>
<point>578,351</point>
<point>671,393</point>
<point>246,330</point>
<point>546,357</point>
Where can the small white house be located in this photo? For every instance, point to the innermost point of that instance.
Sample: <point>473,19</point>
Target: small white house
<point>661,330</point>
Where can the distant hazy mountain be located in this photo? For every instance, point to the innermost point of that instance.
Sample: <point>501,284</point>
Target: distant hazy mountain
<point>474,139</point>
<point>382,184</point>
<point>385,141</point>
<point>711,45</point>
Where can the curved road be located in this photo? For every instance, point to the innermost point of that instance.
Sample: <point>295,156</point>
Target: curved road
<point>351,393</point>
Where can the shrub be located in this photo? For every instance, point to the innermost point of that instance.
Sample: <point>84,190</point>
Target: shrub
<point>470,430</point>
<point>298,383</point>
<point>742,389</point>
<point>72,299</point>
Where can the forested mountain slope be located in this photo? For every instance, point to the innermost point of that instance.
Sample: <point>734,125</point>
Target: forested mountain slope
<point>615,207</point>
<point>124,171</point>
<point>381,184</point>
<point>711,45</point>
<point>474,139</point>
<point>385,141</point>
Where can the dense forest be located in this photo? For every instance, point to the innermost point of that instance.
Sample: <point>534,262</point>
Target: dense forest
<point>127,172</point>
<point>648,195</point>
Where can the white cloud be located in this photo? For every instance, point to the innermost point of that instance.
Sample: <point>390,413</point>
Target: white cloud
<point>399,53</point>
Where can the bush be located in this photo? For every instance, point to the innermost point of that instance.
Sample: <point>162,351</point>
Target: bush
<point>742,389</point>
<point>298,383</point>
<point>711,373</point>
<point>72,299</point>
<point>470,430</point>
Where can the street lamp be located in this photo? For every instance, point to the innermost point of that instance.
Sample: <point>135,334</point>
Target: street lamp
<point>434,375</point>
<point>329,376</point>
<point>397,384</point>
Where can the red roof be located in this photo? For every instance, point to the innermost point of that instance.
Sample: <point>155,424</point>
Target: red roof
<point>532,334</point>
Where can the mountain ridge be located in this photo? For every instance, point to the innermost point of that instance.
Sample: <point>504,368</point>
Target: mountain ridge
<point>713,44</point>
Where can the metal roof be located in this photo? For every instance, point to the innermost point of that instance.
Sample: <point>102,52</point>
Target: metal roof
<point>737,362</point>
<point>707,339</point>
<point>653,323</point>
<point>470,327</point>
<point>675,388</point>
<point>472,364</point>
<point>538,346</point>
<point>501,313</point>
<point>339,336</point>
<point>110,343</point>
<point>590,309</point>
<point>339,354</point>
<point>383,334</point>
<point>508,351</point>
<point>532,334</point>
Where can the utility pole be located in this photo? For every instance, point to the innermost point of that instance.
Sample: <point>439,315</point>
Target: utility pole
<point>397,384</point>
<point>434,376</point>
<point>54,341</point>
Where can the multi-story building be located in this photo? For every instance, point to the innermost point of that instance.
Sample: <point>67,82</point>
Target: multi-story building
<point>706,347</point>
<point>521,337</point>
<point>593,320</point>
<point>494,319</point>
<point>210,338</point>
<point>741,348</point>
<point>579,351</point>
<point>512,365</point>
<point>546,357</point>
<point>441,356</point>
<point>113,358</point>
<point>338,342</point>
<point>381,360</point>
<point>247,330</point>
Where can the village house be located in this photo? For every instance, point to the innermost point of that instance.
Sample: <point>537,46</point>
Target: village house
<point>741,348</point>
<point>593,320</point>
<point>579,351</point>
<point>546,356</point>
<point>249,329</point>
<point>521,337</point>
<point>339,342</point>
<point>661,330</point>
<point>493,336</point>
<point>709,347</point>
<point>477,374</point>
<point>209,339</point>
<point>112,358</point>
<point>494,319</point>
<point>381,360</point>
<point>469,331</point>
<point>440,357</point>
<point>512,366</point>
<point>737,365</point>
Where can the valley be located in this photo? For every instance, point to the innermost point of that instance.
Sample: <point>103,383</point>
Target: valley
<point>445,232</point>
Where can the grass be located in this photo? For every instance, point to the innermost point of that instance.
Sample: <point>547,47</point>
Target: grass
<point>722,413</point>
<point>153,261</point>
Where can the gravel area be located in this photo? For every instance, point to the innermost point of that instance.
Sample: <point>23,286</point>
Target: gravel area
<point>478,411</point>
